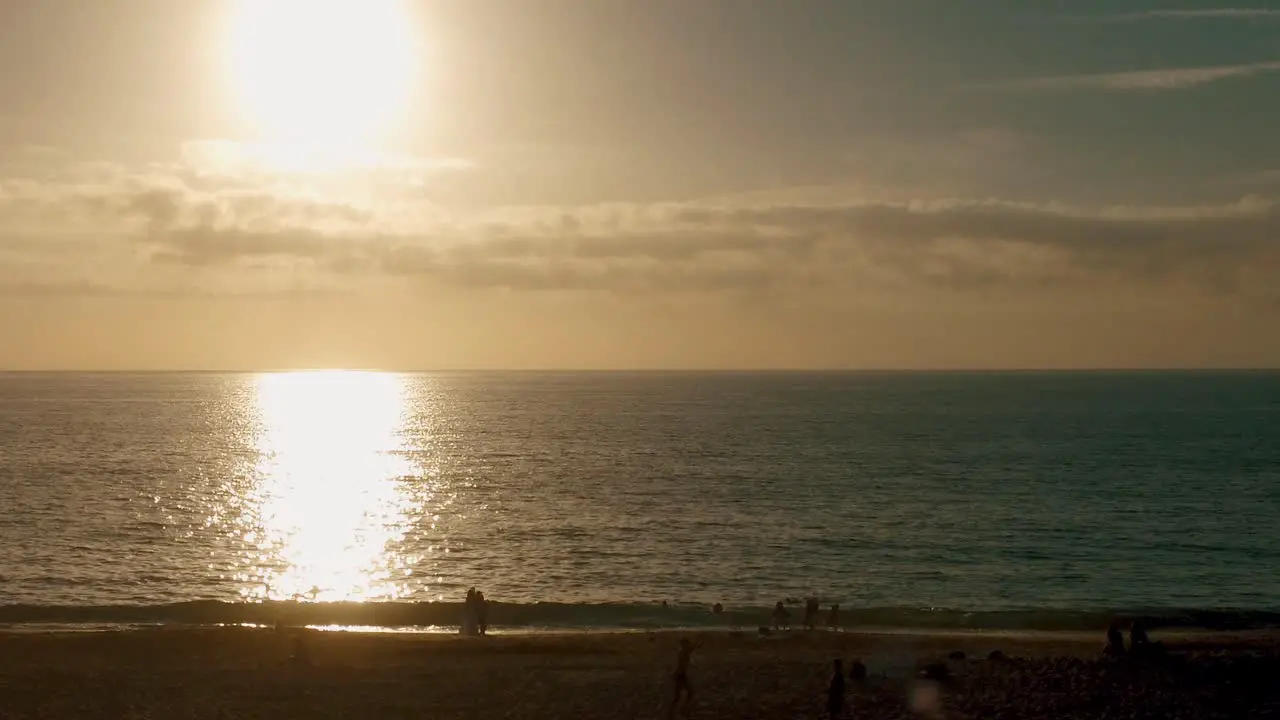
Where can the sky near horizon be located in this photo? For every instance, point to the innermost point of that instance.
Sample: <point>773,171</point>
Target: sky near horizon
<point>417,184</point>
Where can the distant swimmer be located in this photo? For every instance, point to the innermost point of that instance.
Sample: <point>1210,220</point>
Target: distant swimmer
<point>682,689</point>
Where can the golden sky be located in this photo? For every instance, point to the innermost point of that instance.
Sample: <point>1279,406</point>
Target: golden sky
<point>419,184</point>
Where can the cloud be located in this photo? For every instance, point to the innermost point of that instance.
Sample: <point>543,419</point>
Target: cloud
<point>1136,80</point>
<point>169,233</point>
<point>230,158</point>
<point>1171,15</point>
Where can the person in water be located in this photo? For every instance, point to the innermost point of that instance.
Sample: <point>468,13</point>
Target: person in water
<point>682,689</point>
<point>835,691</point>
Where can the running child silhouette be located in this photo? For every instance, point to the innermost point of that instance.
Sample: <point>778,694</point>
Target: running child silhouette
<point>681,687</point>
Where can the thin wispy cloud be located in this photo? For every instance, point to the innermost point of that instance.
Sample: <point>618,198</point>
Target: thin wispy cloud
<point>1239,14</point>
<point>1210,13</point>
<point>1137,80</point>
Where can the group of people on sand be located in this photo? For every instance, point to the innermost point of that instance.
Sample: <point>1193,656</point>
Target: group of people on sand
<point>782,616</point>
<point>1139,642</point>
<point>475,614</point>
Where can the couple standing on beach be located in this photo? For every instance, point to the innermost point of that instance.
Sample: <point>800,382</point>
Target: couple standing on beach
<point>475,618</point>
<point>782,616</point>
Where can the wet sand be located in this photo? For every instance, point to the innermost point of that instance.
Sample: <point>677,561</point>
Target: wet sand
<point>247,673</point>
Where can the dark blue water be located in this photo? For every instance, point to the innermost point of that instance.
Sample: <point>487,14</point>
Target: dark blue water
<point>1000,500</point>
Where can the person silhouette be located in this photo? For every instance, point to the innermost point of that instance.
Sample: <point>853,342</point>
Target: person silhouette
<point>482,614</point>
<point>681,687</point>
<point>833,618</point>
<point>780,616</point>
<point>835,691</point>
<point>301,656</point>
<point>1115,642</point>
<point>1139,641</point>
<point>469,613</point>
<point>810,613</point>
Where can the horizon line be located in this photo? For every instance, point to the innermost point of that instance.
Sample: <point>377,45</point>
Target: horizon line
<point>651,370</point>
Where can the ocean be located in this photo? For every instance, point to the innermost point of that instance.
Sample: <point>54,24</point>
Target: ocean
<point>584,501</point>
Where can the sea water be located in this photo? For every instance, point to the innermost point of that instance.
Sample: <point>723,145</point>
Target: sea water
<point>588,500</point>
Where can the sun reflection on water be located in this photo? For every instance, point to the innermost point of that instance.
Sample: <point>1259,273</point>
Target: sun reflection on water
<point>330,502</point>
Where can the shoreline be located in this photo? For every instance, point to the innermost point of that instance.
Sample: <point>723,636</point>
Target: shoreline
<point>1175,634</point>
<point>639,616</point>
<point>543,631</point>
<point>1063,642</point>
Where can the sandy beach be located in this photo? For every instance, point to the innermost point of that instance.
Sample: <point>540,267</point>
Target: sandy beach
<point>248,673</point>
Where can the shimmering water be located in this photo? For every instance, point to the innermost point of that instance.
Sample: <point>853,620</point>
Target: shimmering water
<point>600,494</point>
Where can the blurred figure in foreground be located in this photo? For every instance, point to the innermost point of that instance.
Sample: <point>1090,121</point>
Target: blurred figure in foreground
<point>835,691</point>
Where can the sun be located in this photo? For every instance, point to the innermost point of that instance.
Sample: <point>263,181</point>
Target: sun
<point>323,73</point>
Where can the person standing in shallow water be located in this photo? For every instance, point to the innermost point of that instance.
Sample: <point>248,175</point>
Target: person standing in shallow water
<point>482,613</point>
<point>682,689</point>
<point>469,613</point>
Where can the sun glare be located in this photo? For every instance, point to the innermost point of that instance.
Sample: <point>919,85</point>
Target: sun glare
<point>329,74</point>
<point>329,504</point>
